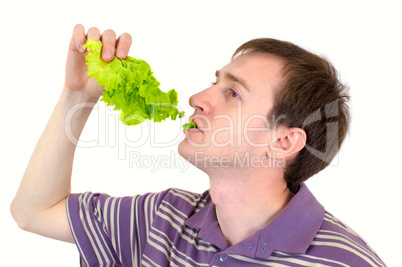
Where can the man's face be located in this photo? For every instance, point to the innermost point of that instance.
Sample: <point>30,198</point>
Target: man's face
<point>232,114</point>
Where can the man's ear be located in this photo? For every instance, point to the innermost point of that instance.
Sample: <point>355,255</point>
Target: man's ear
<point>287,142</point>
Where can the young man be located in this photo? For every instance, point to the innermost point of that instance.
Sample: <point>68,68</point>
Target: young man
<point>275,116</point>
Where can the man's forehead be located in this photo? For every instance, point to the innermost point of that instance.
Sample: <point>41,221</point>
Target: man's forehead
<point>255,68</point>
<point>232,77</point>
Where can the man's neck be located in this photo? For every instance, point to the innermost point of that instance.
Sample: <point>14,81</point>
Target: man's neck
<point>247,200</point>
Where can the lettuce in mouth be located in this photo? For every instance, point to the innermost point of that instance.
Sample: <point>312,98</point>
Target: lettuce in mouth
<point>189,125</point>
<point>131,87</point>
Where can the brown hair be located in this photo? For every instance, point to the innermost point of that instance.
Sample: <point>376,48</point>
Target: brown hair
<point>312,98</point>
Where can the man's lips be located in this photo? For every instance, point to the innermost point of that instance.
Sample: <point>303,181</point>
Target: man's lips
<point>193,130</point>
<point>197,129</point>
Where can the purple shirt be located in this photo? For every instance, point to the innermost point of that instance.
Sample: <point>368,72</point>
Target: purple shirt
<point>179,228</point>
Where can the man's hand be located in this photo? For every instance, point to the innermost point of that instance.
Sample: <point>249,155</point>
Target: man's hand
<point>76,69</point>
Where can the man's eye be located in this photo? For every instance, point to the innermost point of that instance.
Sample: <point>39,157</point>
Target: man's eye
<point>233,93</point>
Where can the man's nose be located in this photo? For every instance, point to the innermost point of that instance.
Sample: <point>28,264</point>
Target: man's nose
<point>201,101</point>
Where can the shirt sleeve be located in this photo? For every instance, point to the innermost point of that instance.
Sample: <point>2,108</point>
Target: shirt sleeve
<point>109,230</point>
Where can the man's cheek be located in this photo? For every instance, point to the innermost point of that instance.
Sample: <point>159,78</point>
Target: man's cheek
<point>223,137</point>
<point>256,137</point>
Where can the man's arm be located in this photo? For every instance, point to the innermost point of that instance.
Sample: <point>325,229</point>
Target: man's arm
<point>39,204</point>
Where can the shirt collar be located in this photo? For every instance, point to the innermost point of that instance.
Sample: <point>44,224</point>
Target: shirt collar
<point>291,231</point>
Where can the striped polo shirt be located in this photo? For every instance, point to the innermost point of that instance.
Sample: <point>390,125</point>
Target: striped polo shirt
<point>179,228</point>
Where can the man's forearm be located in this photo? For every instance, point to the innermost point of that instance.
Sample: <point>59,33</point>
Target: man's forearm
<point>47,178</point>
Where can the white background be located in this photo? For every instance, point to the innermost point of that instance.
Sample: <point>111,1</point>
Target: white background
<point>185,42</point>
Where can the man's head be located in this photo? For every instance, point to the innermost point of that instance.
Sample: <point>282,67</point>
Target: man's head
<point>312,98</point>
<point>272,100</point>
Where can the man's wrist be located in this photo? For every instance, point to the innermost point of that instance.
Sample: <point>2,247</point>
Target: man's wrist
<point>78,97</point>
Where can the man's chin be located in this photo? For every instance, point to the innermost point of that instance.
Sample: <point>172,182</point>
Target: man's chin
<point>189,153</point>
<point>185,150</point>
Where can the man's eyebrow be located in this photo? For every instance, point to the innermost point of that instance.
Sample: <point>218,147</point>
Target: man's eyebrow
<point>233,78</point>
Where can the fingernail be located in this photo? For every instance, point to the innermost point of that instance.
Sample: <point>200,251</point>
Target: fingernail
<point>80,48</point>
<point>108,55</point>
<point>121,53</point>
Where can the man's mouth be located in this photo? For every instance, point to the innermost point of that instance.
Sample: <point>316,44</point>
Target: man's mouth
<point>190,125</point>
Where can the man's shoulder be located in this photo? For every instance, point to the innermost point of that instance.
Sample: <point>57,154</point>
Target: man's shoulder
<point>338,241</point>
<point>332,225</point>
<point>337,230</point>
<point>177,194</point>
<point>184,201</point>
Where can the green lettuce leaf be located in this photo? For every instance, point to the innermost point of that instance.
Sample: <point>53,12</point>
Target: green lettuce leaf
<point>189,125</point>
<point>131,87</point>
